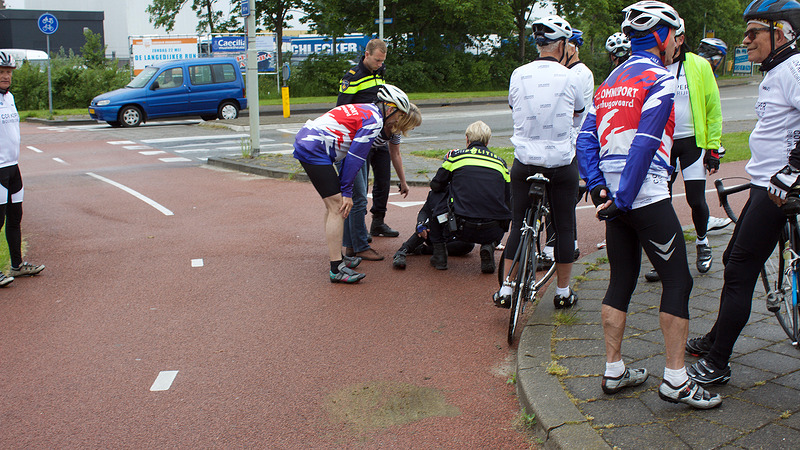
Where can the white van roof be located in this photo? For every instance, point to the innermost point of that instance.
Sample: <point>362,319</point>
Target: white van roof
<point>21,54</point>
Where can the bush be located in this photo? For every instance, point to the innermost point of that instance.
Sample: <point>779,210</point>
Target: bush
<point>319,75</point>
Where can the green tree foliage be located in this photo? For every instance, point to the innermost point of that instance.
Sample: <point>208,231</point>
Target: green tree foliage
<point>319,75</point>
<point>273,14</point>
<point>93,52</point>
<point>163,12</point>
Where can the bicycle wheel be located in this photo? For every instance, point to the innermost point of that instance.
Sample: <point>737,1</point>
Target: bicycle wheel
<point>783,302</point>
<point>521,284</point>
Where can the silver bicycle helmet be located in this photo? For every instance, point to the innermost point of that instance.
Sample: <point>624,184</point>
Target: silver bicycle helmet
<point>618,44</point>
<point>712,47</point>
<point>6,60</point>
<point>392,94</point>
<point>643,17</point>
<point>551,28</point>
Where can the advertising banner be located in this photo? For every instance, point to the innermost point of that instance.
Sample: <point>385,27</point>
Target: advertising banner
<point>229,44</point>
<point>741,66</point>
<point>236,46</point>
<point>304,46</point>
<point>147,51</point>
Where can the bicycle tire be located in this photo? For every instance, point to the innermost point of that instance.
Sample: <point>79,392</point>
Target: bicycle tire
<point>518,297</point>
<point>786,283</point>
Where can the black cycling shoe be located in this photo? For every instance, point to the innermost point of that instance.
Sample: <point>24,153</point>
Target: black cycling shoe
<point>704,373</point>
<point>652,276</point>
<point>699,346</point>
<point>501,301</point>
<point>565,302</point>
<point>704,258</point>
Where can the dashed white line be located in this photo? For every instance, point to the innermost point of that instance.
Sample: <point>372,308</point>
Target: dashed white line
<point>59,160</point>
<point>34,149</point>
<point>141,197</point>
<point>193,138</point>
<point>164,380</point>
<point>136,147</point>
<point>406,204</point>
<point>197,262</point>
<point>175,159</point>
<point>121,142</point>
<point>152,152</point>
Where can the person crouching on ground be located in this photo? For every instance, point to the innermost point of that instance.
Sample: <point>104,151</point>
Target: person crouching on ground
<point>347,132</point>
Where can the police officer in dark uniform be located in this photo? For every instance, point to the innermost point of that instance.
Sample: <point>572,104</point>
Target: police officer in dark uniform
<point>477,205</point>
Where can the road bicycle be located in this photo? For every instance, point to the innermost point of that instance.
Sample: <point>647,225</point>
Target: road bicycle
<point>780,273</point>
<point>525,281</point>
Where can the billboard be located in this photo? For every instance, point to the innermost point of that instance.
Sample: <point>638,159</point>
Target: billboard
<point>149,50</point>
<point>741,66</point>
<point>304,46</point>
<point>236,46</point>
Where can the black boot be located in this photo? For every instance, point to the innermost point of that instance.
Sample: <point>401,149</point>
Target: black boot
<point>379,228</point>
<point>439,258</point>
<point>487,258</point>
<point>399,260</point>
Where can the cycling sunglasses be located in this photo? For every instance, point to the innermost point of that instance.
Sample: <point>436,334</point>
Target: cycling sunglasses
<point>752,32</point>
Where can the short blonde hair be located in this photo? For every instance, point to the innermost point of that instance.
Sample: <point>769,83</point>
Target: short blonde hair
<point>376,44</point>
<point>408,121</point>
<point>479,132</point>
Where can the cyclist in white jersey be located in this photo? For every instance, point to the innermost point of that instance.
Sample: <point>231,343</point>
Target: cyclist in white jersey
<point>11,190</point>
<point>774,168</point>
<point>546,100</point>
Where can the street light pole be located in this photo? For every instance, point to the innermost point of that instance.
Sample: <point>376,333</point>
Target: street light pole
<point>380,19</point>
<point>252,80</point>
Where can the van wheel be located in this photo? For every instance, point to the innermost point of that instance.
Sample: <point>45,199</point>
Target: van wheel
<point>228,111</point>
<point>130,116</point>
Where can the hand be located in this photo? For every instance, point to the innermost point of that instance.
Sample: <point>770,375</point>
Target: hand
<point>403,188</point>
<point>599,195</point>
<point>608,211</point>
<point>347,205</point>
<point>711,161</point>
<point>777,199</point>
<point>423,234</point>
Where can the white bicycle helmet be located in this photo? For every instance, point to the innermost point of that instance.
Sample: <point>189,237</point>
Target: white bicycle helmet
<point>6,60</point>
<point>392,94</point>
<point>618,44</point>
<point>643,17</point>
<point>681,29</point>
<point>713,46</point>
<point>551,28</point>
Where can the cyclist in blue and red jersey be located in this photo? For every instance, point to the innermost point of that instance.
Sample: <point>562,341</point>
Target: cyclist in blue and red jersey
<point>624,152</point>
<point>346,134</point>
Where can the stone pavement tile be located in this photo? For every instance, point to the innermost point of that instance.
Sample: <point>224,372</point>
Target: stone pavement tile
<point>598,285</point>
<point>590,365</point>
<point>580,331</point>
<point>785,348</point>
<point>642,437</point>
<point>738,414</point>
<point>774,362</point>
<point>745,377</point>
<point>634,349</point>
<point>700,325</point>
<point>590,306</point>
<point>706,303</point>
<point>618,410</point>
<point>772,395</point>
<point>748,344</point>
<point>654,336</point>
<point>584,388</point>
<point>768,329</point>
<point>700,433</point>
<point>791,380</point>
<point>643,321</point>
<point>771,437</point>
<point>580,347</point>
<point>792,421</point>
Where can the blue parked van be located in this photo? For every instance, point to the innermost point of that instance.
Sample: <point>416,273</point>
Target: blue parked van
<point>209,87</point>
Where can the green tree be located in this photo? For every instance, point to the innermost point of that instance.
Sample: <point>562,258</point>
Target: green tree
<point>163,12</point>
<point>521,11</point>
<point>93,52</point>
<point>274,14</point>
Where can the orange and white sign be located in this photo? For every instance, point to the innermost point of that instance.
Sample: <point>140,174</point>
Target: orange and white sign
<point>148,51</point>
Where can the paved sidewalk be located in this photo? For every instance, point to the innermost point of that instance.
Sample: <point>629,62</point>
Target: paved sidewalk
<point>760,406</point>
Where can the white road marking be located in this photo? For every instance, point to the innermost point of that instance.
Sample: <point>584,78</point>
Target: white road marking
<point>197,262</point>
<point>136,147</point>
<point>174,159</point>
<point>35,149</point>
<point>406,204</point>
<point>194,138</point>
<point>141,197</point>
<point>59,160</point>
<point>164,380</point>
<point>152,152</point>
<point>121,142</point>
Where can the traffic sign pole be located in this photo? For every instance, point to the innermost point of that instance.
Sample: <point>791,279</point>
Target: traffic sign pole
<point>252,77</point>
<point>49,80</point>
<point>48,24</point>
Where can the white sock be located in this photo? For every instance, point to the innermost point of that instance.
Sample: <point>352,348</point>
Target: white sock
<point>615,369</point>
<point>703,241</point>
<point>563,292</point>
<point>675,377</point>
<point>549,251</point>
<point>576,244</point>
<point>506,290</point>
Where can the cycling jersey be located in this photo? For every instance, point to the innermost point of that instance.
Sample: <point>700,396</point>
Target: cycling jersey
<point>346,130</point>
<point>697,105</point>
<point>778,127</point>
<point>9,131</point>
<point>544,97</point>
<point>586,78</point>
<point>626,138</point>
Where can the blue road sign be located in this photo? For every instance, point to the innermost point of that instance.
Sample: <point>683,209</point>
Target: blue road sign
<point>244,7</point>
<point>48,24</point>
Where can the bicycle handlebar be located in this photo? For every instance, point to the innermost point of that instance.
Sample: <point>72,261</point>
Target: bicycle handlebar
<point>723,193</point>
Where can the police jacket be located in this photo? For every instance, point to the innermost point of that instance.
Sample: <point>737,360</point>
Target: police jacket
<point>477,182</point>
<point>360,85</point>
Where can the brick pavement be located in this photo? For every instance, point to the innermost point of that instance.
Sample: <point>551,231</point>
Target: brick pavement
<point>760,406</point>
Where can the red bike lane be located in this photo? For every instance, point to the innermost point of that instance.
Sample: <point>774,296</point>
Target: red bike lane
<point>268,352</point>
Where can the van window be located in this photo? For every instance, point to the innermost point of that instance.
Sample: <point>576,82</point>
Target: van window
<point>170,78</point>
<point>212,73</point>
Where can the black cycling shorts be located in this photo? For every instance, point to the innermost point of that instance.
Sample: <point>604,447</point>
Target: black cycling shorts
<point>324,178</point>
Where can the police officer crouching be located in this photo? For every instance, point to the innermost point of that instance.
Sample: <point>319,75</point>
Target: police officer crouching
<point>476,207</point>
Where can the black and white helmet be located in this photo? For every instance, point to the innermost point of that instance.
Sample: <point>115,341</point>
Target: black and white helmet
<point>712,47</point>
<point>643,17</point>
<point>618,44</point>
<point>551,28</point>
<point>392,94</point>
<point>6,60</point>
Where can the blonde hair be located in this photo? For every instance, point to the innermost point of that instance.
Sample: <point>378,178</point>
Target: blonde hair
<point>376,44</point>
<point>479,132</point>
<point>408,121</point>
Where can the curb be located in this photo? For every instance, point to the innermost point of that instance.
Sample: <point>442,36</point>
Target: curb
<point>541,393</point>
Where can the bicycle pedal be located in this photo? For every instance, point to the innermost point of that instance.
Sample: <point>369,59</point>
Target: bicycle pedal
<point>773,305</point>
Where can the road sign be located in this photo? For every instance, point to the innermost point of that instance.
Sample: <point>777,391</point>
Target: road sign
<point>244,6</point>
<point>48,24</point>
<point>387,20</point>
